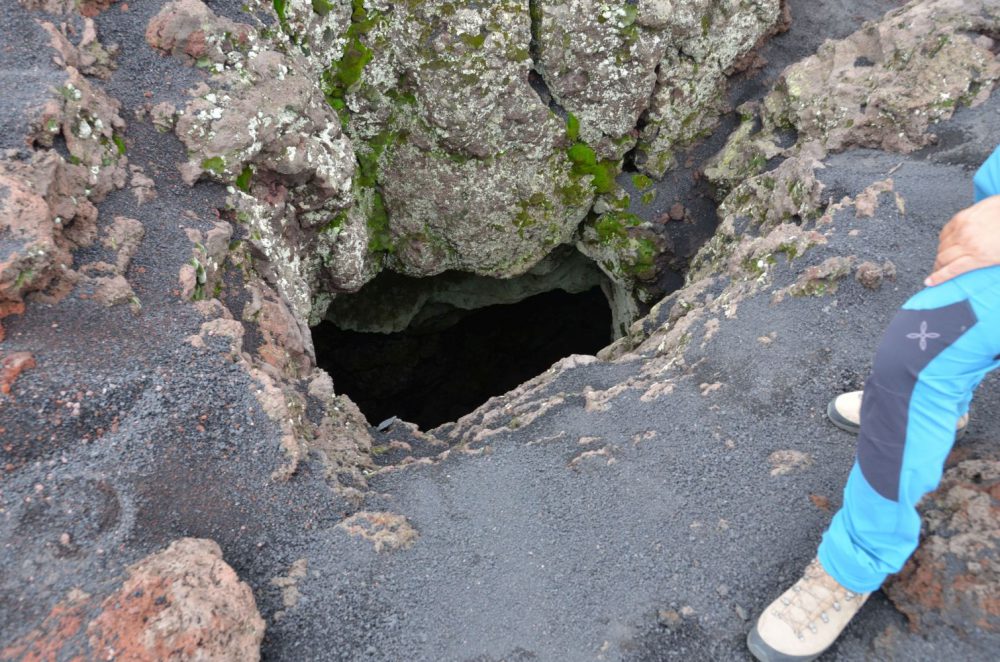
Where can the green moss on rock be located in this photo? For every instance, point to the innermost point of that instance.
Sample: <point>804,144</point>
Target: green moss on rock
<point>216,165</point>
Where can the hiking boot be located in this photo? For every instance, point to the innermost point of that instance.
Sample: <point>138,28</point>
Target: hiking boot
<point>805,620</point>
<point>844,411</point>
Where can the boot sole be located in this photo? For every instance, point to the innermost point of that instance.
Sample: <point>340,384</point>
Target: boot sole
<point>852,427</point>
<point>765,653</point>
<point>841,422</point>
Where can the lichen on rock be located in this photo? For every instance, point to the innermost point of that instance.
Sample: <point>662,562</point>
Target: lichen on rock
<point>386,531</point>
<point>378,160</point>
<point>884,85</point>
<point>599,60</point>
<point>47,201</point>
<point>487,187</point>
<point>881,87</point>
<point>263,126</point>
<point>712,39</point>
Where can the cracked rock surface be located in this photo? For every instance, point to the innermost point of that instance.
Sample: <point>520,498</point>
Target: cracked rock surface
<point>186,186</point>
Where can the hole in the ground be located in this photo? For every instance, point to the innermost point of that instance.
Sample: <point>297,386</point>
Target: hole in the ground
<point>432,350</point>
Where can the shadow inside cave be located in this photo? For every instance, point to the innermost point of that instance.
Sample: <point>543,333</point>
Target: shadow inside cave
<point>455,362</point>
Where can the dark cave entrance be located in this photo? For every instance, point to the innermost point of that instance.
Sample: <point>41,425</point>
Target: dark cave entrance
<point>447,361</point>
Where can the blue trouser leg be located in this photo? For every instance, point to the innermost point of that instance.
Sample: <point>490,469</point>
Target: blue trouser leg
<point>935,352</point>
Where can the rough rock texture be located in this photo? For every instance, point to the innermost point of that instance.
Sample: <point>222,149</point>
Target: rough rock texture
<point>881,87</point>
<point>54,637</point>
<point>887,83</point>
<point>953,578</point>
<point>88,55</point>
<point>184,603</point>
<point>488,188</point>
<point>581,47</point>
<point>652,70</point>
<point>690,91</point>
<point>264,126</point>
<point>556,521</point>
<point>386,531</point>
<point>47,200</point>
<point>11,368</point>
<point>31,255</point>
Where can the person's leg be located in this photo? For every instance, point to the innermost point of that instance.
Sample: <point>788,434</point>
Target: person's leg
<point>935,351</point>
<point>934,354</point>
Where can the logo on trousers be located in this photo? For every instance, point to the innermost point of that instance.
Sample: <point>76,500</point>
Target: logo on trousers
<point>923,336</point>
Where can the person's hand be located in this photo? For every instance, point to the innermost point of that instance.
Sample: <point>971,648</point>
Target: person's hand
<point>970,240</point>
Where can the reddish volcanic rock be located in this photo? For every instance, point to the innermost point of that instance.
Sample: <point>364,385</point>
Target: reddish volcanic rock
<point>183,603</point>
<point>953,579</point>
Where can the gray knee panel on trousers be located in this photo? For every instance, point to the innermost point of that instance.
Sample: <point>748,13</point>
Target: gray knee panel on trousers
<point>912,341</point>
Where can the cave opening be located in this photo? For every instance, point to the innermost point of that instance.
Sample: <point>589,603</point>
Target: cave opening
<point>429,351</point>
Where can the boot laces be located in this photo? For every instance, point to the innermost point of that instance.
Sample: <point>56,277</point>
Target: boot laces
<point>810,599</point>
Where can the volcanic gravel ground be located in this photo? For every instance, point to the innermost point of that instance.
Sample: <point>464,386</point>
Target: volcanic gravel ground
<point>125,437</point>
<point>522,557</point>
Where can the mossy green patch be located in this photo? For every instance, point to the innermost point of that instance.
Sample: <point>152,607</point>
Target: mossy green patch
<point>790,249</point>
<point>620,201</point>
<point>322,7</point>
<point>970,95</point>
<point>572,127</point>
<point>341,76</point>
<point>537,208</point>
<point>757,266</point>
<point>614,225</point>
<point>353,60</point>
<point>574,194</point>
<point>243,179</point>
<point>366,178</point>
<point>814,288</point>
<point>368,158</point>
<point>517,54</point>
<point>643,265</point>
<point>631,13</point>
<point>474,40</point>
<point>336,224</point>
<point>379,236</point>
<point>582,155</point>
<point>279,9</point>
<point>201,276</point>
<point>119,144</point>
<point>627,253</point>
<point>585,162</point>
<point>641,182</point>
<point>23,277</point>
<point>215,164</point>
